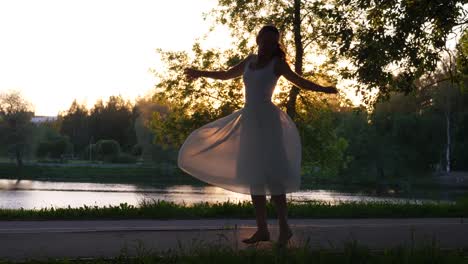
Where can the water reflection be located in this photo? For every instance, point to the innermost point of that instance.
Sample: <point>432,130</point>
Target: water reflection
<point>39,194</point>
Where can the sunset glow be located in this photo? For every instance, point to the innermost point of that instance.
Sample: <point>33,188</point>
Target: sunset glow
<point>54,51</point>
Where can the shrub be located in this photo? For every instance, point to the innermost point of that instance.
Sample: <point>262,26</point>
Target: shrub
<point>137,150</point>
<point>107,149</point>
<point>123,158</point>
<point>89,152</point>
<point>54,148</point>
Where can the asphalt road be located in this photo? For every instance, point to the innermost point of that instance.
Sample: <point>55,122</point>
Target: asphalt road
<point>20,240</point>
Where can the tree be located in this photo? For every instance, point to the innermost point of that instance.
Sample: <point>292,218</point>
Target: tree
<point>446,87</point>
<point>190,105</point>
<point>293,17</point>
<point>390,44</point>
<point>194,104</point>
<point>75,124</point>
<point>114,120</point>
<point>148,147</point>
<point>15,123</point>
<point>111,120</point>
<point>107,149</point>
<point>54,147</point>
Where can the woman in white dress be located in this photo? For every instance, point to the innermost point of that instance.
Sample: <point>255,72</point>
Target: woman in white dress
<point>255,150</point>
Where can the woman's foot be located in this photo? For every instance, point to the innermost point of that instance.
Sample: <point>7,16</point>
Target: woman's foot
<point>257,237</point>
<point>284,237</point>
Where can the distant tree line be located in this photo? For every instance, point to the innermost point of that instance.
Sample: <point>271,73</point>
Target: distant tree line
<point>115,131</point>
<point>113,120</point>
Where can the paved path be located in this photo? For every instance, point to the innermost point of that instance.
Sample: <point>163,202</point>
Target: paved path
<point>21,240</point>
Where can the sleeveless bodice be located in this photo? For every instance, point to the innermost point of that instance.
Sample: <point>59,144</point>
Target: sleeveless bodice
<point>259,83</point>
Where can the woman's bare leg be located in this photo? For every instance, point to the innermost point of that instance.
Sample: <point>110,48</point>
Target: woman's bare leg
<point>262,234</point>
<point>282,210</point>
<point>259,203</point>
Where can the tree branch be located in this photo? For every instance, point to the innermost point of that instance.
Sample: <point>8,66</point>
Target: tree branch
<point>435,82</point>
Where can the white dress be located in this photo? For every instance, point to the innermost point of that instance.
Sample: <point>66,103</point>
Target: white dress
<point>255,150</point>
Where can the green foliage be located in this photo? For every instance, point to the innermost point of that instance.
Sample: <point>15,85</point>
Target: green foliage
<point>107,150</point>
<point>380,36</point>
<point>171,129</point>
<point>192,104</point>
<point>151,152</point>
<point>323,150</point>
<point>405,135</point>
<point>312,209</point>
<point>299,37</point>
<point>89,153</point>
<point>16,129</point>
<point>375,36</point>
<point>75,125</point>
<point>54,148</point>
<point>137,150</point>
<point>190,96</point>
<point>462,58</point>
<point>123,158</point>
<point>390,45</point>
<point>354,127</point>
<point>114,119</point>
<point>399,139</point>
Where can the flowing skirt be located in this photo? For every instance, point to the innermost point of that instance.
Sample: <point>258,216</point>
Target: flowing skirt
<point>255,150</point>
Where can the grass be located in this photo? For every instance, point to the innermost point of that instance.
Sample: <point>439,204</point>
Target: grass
<point>244,210</point>
<point>351,253</point>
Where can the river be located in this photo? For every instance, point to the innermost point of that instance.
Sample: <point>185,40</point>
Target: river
<point>32,194</point>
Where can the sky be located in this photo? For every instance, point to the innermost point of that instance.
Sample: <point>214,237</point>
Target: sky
<point>55,51</point>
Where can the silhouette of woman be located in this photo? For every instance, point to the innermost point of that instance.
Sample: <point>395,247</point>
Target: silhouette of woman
<point>255,150</point>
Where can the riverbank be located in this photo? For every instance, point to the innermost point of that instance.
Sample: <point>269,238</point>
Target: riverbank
<point>99,173</point>
<point>242,210</point>
<point>169,174</point>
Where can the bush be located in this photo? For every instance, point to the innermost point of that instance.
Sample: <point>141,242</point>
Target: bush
<point>54,148</point>
<point>137,150</point>
<point>89,153</point>
<point>123,158</point>
<point>107,150</point>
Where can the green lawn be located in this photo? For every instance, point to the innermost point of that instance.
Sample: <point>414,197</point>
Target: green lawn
<point>352,253</point>
<point>312,209</point>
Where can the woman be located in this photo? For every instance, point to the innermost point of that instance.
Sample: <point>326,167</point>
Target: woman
<point>255,150</point>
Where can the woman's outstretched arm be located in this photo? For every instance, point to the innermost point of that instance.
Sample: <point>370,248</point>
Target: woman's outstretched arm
<point>282,68</point>
<point>233,72</point>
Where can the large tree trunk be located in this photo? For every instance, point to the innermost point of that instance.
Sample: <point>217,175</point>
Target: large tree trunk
<point>291,104</point>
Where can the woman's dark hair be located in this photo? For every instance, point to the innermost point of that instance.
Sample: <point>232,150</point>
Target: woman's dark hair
<point>279,51</point>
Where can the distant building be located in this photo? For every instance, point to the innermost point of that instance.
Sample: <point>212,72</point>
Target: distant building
<point>42,119</point>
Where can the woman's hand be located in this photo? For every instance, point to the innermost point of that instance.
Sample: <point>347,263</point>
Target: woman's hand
<point>192,74</point>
